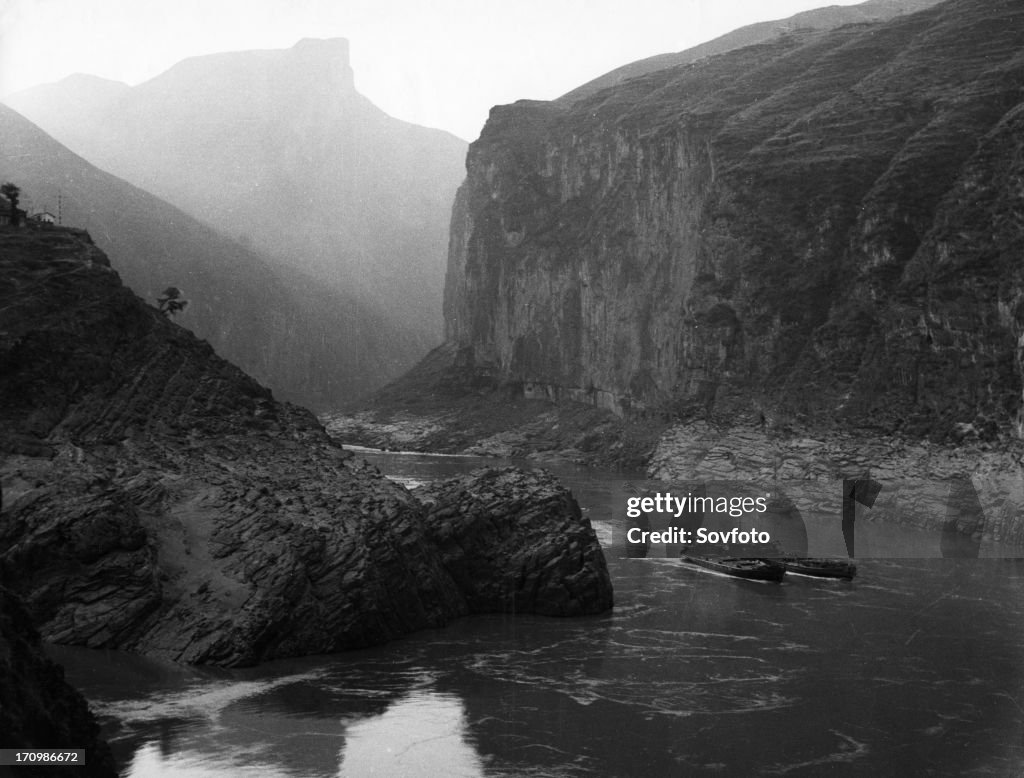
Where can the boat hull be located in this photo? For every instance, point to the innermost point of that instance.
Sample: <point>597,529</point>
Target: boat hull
<point>740,567</point>
<point>821,568</point>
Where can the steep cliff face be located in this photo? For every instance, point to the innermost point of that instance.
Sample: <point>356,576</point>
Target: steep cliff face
<point>823,226</point>
<point>156,498</point>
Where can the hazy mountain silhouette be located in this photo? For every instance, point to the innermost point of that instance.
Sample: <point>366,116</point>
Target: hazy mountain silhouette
<point>278,149</point>
<point>309,343</point>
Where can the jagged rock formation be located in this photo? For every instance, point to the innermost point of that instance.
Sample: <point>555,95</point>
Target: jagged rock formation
<point>158,499</point>
<point>493,528</point>
<point>38,709</point>
<point>822,227</point>
<point>278,149</point>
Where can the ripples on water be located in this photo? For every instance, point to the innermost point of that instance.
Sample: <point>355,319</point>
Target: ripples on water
<point>914,668</point>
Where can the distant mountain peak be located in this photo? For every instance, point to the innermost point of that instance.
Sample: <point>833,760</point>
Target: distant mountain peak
<point>326,58</point>
<point>80,95</point>
<point>86,79</point>
<point>320,46</point>
<point>316,68</point>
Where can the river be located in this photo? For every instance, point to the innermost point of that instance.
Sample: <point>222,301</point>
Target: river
<point>913,668</point>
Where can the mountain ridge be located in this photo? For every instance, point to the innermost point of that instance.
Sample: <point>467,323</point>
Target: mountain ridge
<point>280,326</point>
<point>277,150</point>
<point>823,18</point>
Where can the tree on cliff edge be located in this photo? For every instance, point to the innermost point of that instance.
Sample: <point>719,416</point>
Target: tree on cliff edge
<point>12,193</point>
<point>171,303</point>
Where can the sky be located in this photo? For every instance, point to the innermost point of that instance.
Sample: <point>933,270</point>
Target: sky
<point>438,63</point>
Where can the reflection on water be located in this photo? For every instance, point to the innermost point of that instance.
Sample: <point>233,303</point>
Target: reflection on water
<point>153,759</point>
<point>423,734</point>
<point>914,668</point>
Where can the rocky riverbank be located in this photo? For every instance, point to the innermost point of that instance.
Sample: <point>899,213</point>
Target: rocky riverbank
<point>159,500</point>
<point>446,406</point>
<point>505,428</point>
<point>974,489</point>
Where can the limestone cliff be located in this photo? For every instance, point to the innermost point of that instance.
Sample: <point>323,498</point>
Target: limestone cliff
<point>156,498</point>
<point>823,227</point>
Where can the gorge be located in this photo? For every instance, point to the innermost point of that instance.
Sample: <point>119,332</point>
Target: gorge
<point>792,260</point>
<point>764,273</point>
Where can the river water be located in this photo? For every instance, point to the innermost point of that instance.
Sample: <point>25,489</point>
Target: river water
<point>916,667</point>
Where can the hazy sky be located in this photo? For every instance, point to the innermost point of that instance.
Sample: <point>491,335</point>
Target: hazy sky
<point>440,63</point>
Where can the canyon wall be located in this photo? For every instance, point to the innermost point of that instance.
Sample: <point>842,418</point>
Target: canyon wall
<point>822,228</point>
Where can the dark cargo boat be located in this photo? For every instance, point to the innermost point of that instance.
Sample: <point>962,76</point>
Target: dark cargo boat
<point>740,567</point>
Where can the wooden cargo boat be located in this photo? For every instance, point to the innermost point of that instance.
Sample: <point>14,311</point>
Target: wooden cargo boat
<point>740,567</point>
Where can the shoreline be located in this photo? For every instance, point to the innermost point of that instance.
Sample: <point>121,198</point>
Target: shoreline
<point>973,489</point>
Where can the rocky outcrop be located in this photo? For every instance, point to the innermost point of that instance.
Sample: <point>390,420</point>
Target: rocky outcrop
<point>38,709</point>
<point>158,499</point>
<point>819,228</point>
<point>517,542</point>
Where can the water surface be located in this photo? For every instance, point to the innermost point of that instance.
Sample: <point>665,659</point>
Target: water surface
<point>913,668</point>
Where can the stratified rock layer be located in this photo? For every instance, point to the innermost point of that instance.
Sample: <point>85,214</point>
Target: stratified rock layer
<point>38,709</point>
<point>494,530</point>
<point>157,499</point>
<point>822,227</point>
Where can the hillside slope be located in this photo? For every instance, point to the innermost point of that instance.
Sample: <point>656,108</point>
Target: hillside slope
<point>826,18</point>
<point>310,344</point>
<point>279,150</point>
